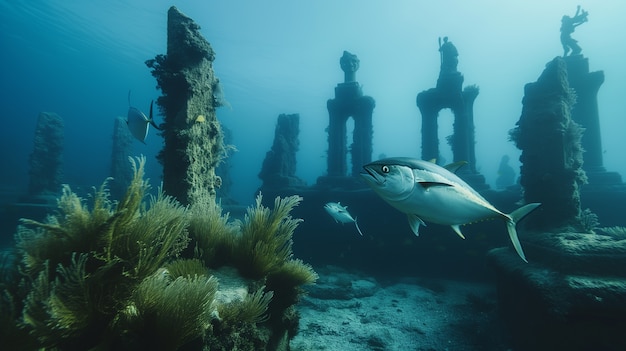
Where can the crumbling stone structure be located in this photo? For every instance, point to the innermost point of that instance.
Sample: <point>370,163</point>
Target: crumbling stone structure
<point>349,102</point>
<point>449,94</point>
<point>279,166</point>
<point>47,158</point>
<point>552,153</point>
<point>191,93</point>
<point>585,112</point>
<point>571,295</point>
<point>121,170</point>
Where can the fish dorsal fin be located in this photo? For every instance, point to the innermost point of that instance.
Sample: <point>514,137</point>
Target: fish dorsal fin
<point>455,166</point>
<point>428,185</point>
<point>457,229</point>
<point>414,223</point>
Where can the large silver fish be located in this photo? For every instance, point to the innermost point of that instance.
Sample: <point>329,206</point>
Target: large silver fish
<point>138,123</point>
<point>428,192</point>
<point>341,214</point>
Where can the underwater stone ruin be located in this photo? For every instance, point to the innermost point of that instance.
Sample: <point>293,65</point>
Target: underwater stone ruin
<point>46,160</point>
<point>552,154</point>
<point>349,102</point>
<point>191,132</point>
<point>279,166</point>
<point>449,93</point>
<point>121,172</point>
<point>585,111</point>
<point>572,293</point>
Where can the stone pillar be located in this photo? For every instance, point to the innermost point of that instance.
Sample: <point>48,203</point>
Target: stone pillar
<point>349,102</point>
<point>470,93</point>
<point>429,109</point>
<point>191,93</point>
<point>279,166</point>
<point>121,170</point>
<point>552,154</point>
<point>46,160</point>
<point>585,112</point>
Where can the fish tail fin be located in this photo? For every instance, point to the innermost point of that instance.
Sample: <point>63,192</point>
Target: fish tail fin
<point>511,224</point>
<point>357,227</point>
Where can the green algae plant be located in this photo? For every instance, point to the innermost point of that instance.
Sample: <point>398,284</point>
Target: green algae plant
<point>138,274</point>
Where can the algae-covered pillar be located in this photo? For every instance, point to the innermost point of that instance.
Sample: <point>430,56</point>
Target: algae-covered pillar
<point>191,93</point>
<point>121,170</point>
<point>349,102</point>
<point>47,159</point>
<point>279,166</point>
<point>552,153</point>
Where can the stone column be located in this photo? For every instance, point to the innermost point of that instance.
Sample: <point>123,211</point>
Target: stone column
<point>585,112</point>
<point>121,170</point>
<point>191,93</point>
<point>279,166</point>
<point>46,160</point>
<point>470,93</point>
<point>552,154</point>
<point>430,128</point>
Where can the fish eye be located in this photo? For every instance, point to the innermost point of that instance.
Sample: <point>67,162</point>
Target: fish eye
<point>385,169</point>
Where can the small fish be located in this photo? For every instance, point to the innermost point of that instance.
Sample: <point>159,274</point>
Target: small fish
<point>340,214</point>
<point>428,192</point>
<point>138,123</point>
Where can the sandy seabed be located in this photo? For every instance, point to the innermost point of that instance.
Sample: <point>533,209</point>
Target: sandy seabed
<point>352,311</point>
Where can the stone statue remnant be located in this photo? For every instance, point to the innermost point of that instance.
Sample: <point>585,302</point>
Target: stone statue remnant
<point>349,102</point>
<point>349,65</point>
<point>449,93</point>
<point>449,56</point>
<point>568,25</point>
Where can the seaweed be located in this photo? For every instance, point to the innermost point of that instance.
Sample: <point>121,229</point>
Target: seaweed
<point>136,274</point>
<point>252,309</point>
<point>165,314</point>
<point>266,237</point>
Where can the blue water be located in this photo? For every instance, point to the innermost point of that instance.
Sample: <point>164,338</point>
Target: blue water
<point>79,59</point>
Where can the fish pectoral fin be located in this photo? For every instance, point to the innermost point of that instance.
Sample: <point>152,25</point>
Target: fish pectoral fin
<point>457,229</point>
<point>428,185</point>
<point>357,227</point>
<point>414,223</point>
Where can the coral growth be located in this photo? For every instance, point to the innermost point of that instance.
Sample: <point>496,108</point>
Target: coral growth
<point>124,275</point>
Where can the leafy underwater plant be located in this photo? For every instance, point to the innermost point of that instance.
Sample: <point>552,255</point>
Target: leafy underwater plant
<point>165,312</point>
<point>615,231</point>
<point>252,309</point>
<point>81,265</point>
<point>123,275</point>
